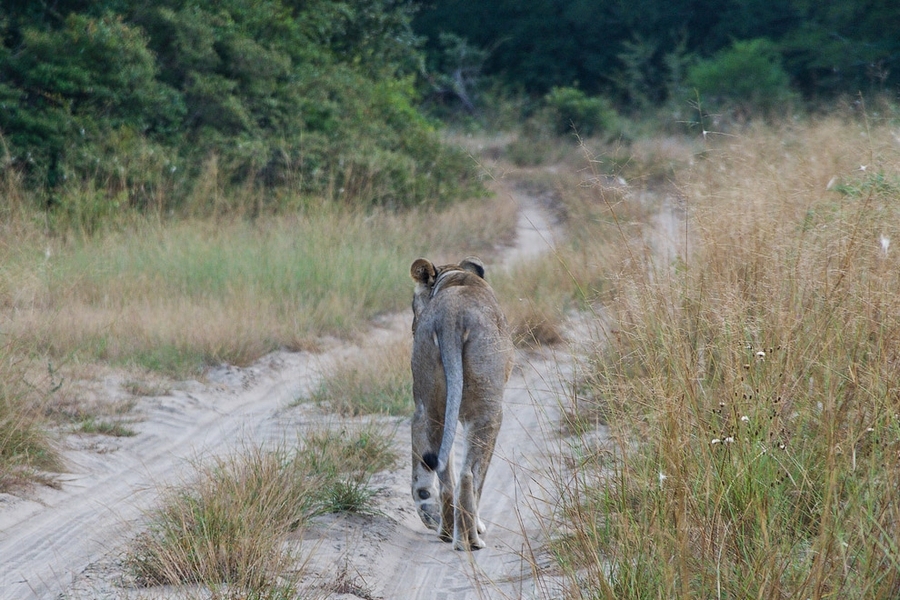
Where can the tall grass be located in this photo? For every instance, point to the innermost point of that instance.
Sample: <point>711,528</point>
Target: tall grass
<point>27,449</point>
<point>592,212</point>
<point>753,387</point>
<point>175,295</point>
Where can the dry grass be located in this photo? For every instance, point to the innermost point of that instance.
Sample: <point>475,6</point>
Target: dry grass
<point>595,213</point>
<point>226,531</point>
<point>175,296</point>
<point>752,387</point>
<point>27,450</point>
<point>376,381</point>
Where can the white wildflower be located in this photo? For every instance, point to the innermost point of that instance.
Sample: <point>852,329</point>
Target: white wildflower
<point>745,419</point>
<point>729,440</point>
<point>760,355</point>
<point>715,441</point>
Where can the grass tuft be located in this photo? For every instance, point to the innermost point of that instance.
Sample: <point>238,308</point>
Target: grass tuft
<point>101,427</point>
<point>226,530</point>
<point>378,381</point>
<point>27,450</point>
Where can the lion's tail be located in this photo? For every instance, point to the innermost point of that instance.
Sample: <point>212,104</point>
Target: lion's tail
<point>452,359</point>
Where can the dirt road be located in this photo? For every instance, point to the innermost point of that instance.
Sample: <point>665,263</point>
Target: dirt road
<point>65,543</point>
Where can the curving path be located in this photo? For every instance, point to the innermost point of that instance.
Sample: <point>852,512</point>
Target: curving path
<point>64,543</point>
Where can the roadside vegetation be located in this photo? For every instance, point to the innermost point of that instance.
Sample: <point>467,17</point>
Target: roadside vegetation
<point>174,297</point>
<point>226,531</point>
<point>750,388</point>
<point>27,452</point>
<point>376,382</point>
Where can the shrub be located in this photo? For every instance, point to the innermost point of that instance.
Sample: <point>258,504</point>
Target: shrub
<point>572,109</point>
<point>130,101</point>
<point>748,76</point>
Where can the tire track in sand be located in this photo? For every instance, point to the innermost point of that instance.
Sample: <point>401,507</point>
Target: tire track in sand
<point>64,543</point>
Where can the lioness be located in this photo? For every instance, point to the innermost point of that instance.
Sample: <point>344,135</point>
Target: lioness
<point>462,356</point>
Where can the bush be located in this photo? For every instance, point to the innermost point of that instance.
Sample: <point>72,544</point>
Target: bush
<point>571,109</point>
<point>130,101</point>
<point>748,76</point>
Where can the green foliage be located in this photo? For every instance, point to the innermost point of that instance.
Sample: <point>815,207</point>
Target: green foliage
<point>572,110</point>
<point>128,101</point>
<point>625,50</point>
<point>749,75</point>
<point>454,74</point>
<point>65,91</point>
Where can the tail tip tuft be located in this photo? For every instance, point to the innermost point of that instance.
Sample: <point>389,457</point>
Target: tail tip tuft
<point>430,460</point>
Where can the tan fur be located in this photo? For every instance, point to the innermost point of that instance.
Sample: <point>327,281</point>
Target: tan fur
<point>461,360</point>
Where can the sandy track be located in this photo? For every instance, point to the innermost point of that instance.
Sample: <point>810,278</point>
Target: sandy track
<point>47,541</point>
<point>65,543</point>
<point>515,492</point>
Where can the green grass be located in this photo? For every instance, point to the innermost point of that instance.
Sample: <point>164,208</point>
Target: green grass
<point>176,296</point>
<point>102,427</point>
<point>751,387</point>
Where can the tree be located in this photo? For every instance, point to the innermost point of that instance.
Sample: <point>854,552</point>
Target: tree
<point>627,48</point>
<point>272,88</point>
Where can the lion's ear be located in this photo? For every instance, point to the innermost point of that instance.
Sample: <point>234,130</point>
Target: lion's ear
<point>473,264</point>
<point>422,271</point>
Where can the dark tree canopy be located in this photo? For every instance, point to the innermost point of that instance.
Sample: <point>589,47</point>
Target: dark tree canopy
<point>622,46</point>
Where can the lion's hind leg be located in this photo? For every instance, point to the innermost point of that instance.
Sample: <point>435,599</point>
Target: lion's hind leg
<point>465,532</point>
<point>480,439</point>
<point>448,503</point>
<point>426,496</point>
